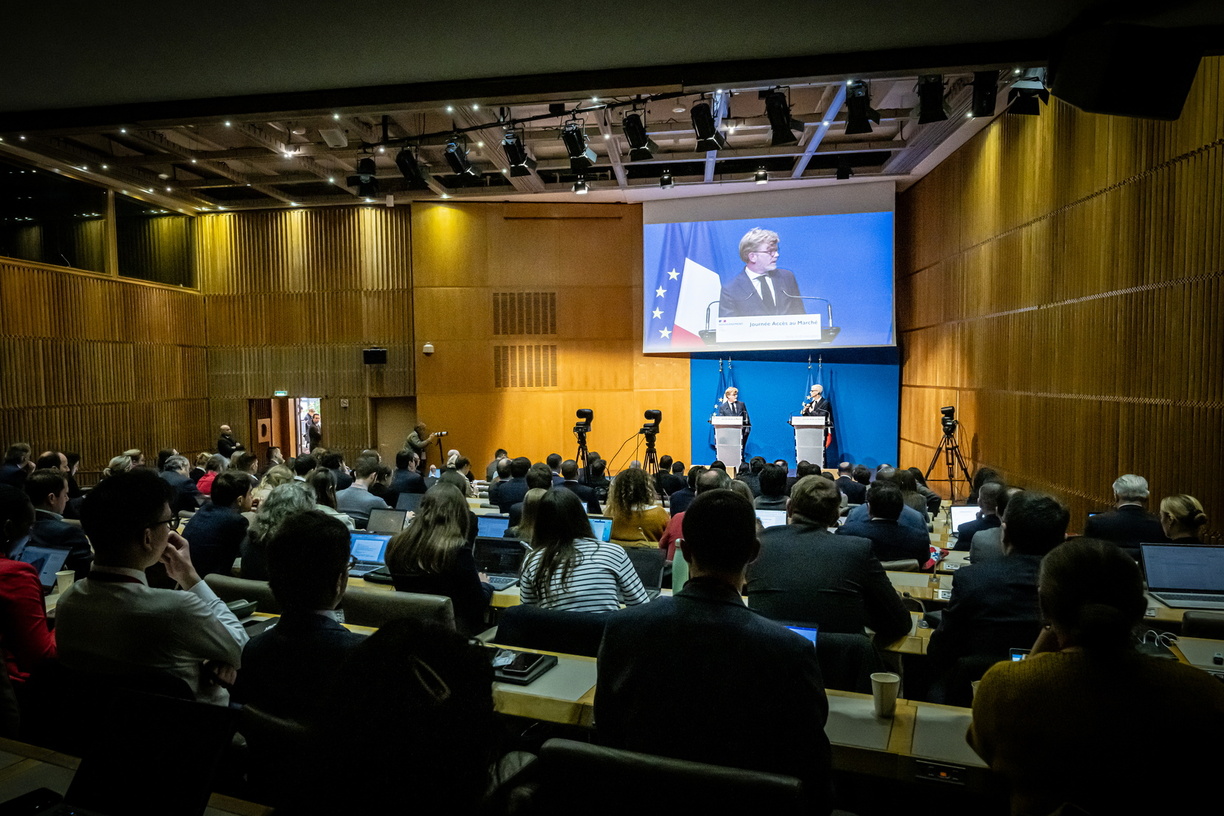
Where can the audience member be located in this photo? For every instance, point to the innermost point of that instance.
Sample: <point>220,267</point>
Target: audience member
<point>276,476</point>
<point>216,465</point>
<point>53,460</point>
<point>638,517</point>
<point>282,503</point>
<point>1129,524</point>
<point>773,489</point>
<point>988,543</point>
<point>512,491</point>
<point>525,530</point>
<point>432,557</point>
<point>491,468</point>
<point>186,495</point>
<point>933,500</point>
<point>118,464</point>
<point>805,573</point>
<point>746,690</point>
<point>568,569</point>
<point>987,517</point>
<point>334,461</point>
<point>226,444</point>
<point>112,622</point>
<point>163,456</point>
<point>681,499</point>
<point>909,493</point>
<point>25,638</point>
<point>198,466</point>
<point>553,460</point>
<point>706,480</point>
<point>981,477</point>
<point>909,518</point>
<point>674,480</point>
<point>381,486</point>
<point>356,500</point>
<point>47,490</point>
<point>323,483</point>
<point>665,463</point>
<point>538,477</point>
<point>889,540</point>
<point>597,478</point>
<point>1065,726</point>
<point>569,480</point>
<point>406,479</point>
<point>1181,518</point>
<point>17,465</point>
<point>753,477</point>
<point>137,457</point>
<point>855,493</point>
<point>216,532</point>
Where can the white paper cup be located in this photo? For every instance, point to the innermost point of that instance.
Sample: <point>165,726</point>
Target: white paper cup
<point>884,686</point>
<point>63,580</point>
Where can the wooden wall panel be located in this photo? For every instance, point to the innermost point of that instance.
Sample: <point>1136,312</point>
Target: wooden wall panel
<point>589,257</point>
<point>1061,281</point>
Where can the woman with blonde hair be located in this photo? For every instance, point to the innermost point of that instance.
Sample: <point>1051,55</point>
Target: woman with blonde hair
<point>1182,517</point>
<point>276,476</point>
<point>120,464</point>
<point>638,518</point>
<point>433,557</point>
<point>526,526</point>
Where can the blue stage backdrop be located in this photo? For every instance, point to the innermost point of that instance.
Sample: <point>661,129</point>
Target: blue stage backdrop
<point>864,387</point>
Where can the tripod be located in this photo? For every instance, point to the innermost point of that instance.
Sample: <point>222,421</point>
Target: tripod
<point>581,456</point>
<point>651,463</point>
<point>952,457</point>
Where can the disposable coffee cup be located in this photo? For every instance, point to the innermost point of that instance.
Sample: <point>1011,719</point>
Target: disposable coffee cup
<point>884,686</point>
<point>63,580</point>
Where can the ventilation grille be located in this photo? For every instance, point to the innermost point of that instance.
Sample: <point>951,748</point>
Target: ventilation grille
<point>524,313</point>
<point>524,366</point>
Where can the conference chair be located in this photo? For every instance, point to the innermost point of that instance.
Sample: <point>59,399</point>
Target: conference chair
<point>229,588</point>
<point>372,607</point>
<point>1201,623</point>
<point>551,630</point>
<point>847,661</point>
<point>611,782</point>
<point>649,563</point>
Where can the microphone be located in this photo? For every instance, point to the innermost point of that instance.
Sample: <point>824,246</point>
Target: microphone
<point>803,297</point>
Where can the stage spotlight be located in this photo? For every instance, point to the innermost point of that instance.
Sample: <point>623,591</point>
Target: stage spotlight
<point>708,136</point>
<point>641,146</point>
<point>516,155</point>
<point>779,112</point>
<point>366,179</point>
<point>666,181</point>
<point>581,187</point>
<point>412,170</point>
<point>844,170</point>
<point>985,89</point>
<point>761,176</point>
<point>1028,93</point>
<point>859,113</point>
<point>581,156</point>
<point>930,99</point>
<point>457,157</point>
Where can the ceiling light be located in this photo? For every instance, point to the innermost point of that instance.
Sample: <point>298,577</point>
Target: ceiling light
<point>761,176</point>
<point>985,90</point>
<point>382,149</point>
<point>450,108</point>
<point>366,180</point>
<point>1028,94</point>
<point>859,113</point>
<point>581,156</point>
<point>475,107</point>
<point>779,112</point>
<point>844,170</point>
<point>123,130</point>
<point>410,166</point>
<point>227,124</point>
<point>641,146</point>
<point>335,116</point>
<point>679,109</point>
<point>457,157</point>
<point>516,155</point>
<point>105,167</point>
<point>580,186</point>
<point>708,137</point>
<point>193,161</point>
<point>931,99</point>
<point>666,181</point>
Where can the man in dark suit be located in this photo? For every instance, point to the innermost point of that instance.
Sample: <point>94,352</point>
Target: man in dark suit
<point>993,607</point>
<point>216,532</point>
<point>226,444</point>
<point>406,479</point>
<point>731,406</point>
<point>747,690</point>
<point>48,492</point>
<point>187,496</point>
<point>679,501</point>
<point>805,574</point>
<point>817,405</point>
<point>539,476</point>
<point>569,480</point>
<point>675,481</point>
<point>855,492</point>
<point>988,515</point>
<point>1129,524</point>
<point>889,540</point>
<point>512,491</point>
<point>17,465</point>
<point>760,288</point>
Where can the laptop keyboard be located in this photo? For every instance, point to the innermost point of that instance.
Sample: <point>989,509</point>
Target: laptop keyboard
<point>500,582</point>
<point>1191,596</point>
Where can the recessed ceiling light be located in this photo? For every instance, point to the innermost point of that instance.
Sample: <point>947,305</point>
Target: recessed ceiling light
<point>475,107</point>
<point>228,124</point>
<point>104,167</point>
<point>444,195</point>
<point>335,116</point>
<point>450,108</point>
<point>123,130</point>
<point>193,161</point>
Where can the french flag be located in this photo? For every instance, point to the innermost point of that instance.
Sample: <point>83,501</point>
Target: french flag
<point>685,287</point>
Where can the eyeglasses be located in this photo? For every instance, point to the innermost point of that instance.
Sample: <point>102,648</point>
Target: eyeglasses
<point>172,522</point>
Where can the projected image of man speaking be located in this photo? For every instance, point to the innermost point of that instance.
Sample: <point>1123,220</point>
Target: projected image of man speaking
<point>760,288</point>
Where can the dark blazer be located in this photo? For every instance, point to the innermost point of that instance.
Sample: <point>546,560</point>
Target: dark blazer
<point>889,540</point>
<point>187,496</point>
<point>805,574</point>
<point>407,481</point>
<point>753,480</point>
<point>737,408</point>
<point>215,536</point>
<point>724,657</point>
<point>510,492</point>
<point>587,494</point>
<point>966,532</point>
<point>343,480</point>
<point>48,531</point>
<point>226,445</point>
<point>855,493</point>
<point>289,669</point>
<point>680,500</point>
<point>739,298</point>
<point>14,475</point>
<point>673,483</point>
<point>1129,525</point>
<point>993,608</point>
<point>821,407</point>
<point>910,517</point>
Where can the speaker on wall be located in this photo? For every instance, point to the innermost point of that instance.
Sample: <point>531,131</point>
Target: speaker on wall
<point>374,356</point>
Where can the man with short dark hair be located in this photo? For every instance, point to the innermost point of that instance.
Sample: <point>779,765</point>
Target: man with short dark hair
<point>334,461</point>
<point>112,622</point>
<point>286,670</point>
<point>807,574</point>
<point>406,479</point>
<point>187,496</point>
<point>681,499</point>
<point>512,491</point>
<point>753,477</point>
<point>54,460</point>
<point>491,468</point>
<point>750,693</point>
<point>569,480</point>
<point>988,515</point>
<point>17,465</point>
<point>889,540</point>
<point>48,492</point>
<point>539,476</point>
<point>988,544</point>
<point>855,493</point>
<point>773,489</point>
<point>706,480</point>
<point>216,532</point>
<point>356,500</point>
<point>302,466</point>
<point>674,481</point>
<point>553,460</point>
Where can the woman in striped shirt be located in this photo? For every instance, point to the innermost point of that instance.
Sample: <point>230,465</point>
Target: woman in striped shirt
<point>568,569</point>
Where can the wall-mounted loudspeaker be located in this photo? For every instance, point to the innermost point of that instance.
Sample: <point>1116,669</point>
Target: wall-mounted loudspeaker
<point>374,356</point>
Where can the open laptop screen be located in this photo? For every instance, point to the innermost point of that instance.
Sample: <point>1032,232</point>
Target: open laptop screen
<point>963,515</point>
<point>602,527</point>
<point>369,548</point>
<point>47,560</point>
<point>772,518</point>
<point>492,526</point>
<point>1183,567</point>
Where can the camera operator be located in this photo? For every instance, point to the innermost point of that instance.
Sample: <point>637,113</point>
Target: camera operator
<point>418,442</point>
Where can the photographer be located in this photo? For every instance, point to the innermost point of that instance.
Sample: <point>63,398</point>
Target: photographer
<point>418,442</point>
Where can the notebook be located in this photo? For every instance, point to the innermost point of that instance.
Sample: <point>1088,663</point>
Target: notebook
<point>492,526</point>
<point>370,551</point>
<point>409,501</point>
<point>47,560</point>
<point>499,558</point>
<point>1185,576</point>
<point>387,521</point>
<point>962,515</point>
<point>772,518</point>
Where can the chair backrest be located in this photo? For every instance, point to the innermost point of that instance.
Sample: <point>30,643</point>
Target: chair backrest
<point>373,607</point>
<point>902,565</point>
<point>1202,623</point>
<point>847,661</point>
<point>612,781</point>
<point>551,630</point>
<point>648,561</point>
<point>229,588</point>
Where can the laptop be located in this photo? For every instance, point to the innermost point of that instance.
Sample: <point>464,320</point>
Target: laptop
<point>47,560</point>
<point>409,501</point>
<point>601,526</point>
<point>370,550</point>
<point>501,559</point>
<point>962,515</point>
<point>492,526</point>
<point>808,632</point>
<point>387,521</point>
<point>772,518</point>
<point>1185,576</point>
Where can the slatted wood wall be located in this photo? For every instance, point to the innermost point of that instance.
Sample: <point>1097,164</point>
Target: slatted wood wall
<point>98,365</point>
<point>1061,281</point>
<point>292,297</point>
<point>509,293</point>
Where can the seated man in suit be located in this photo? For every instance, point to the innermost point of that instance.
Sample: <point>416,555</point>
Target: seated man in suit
<point>405,479</point>
<point>993,607</point>
<point>753,477</point>
<point>569,480</point>
<point>855,492</point>
<point>675,481</point>
<point>909,518</point>
<point>187,496</point>
<point>889,540</point>
<point>706,480</point>
<point>334,461</point>
<point>988,543</point>
<point>760,288</point>
<point>113,622</point>
<point>988,515</point>
<point>747,691</point>
<point>216,532</point>
<point>356,500</point>
<point>17,465</point>
<point>773,489</point>
<point>1129,524</point>
<point>512,491</point>
<point>681,499</point>
<point>48,492</point>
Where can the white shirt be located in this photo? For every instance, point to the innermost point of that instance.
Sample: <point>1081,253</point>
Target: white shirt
<point>759,280</point>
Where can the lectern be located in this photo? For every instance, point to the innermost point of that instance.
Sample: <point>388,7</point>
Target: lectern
<point>810,438</point>
<point>729,440</point>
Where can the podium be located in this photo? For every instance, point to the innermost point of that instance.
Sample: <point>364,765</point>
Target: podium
<point>729,440</point>
<point>810,439</point>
